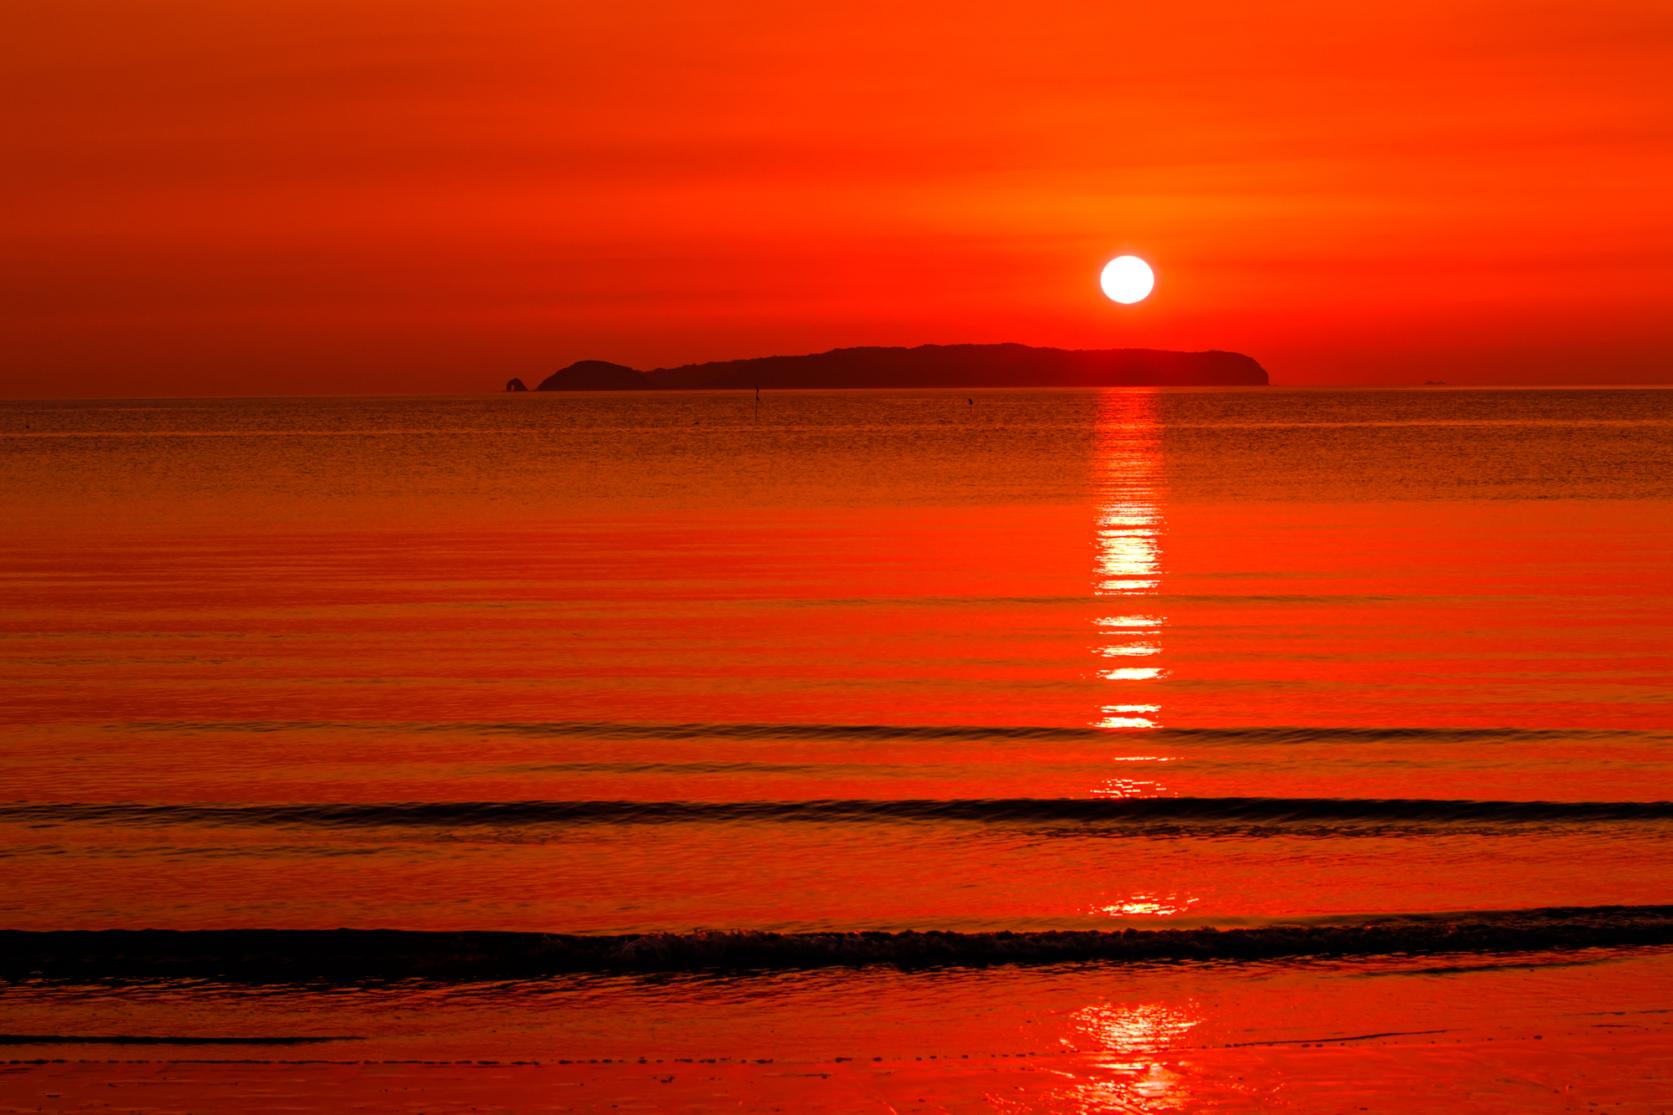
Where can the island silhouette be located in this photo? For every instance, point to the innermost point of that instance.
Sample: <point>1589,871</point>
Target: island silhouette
<point>1002,365</point>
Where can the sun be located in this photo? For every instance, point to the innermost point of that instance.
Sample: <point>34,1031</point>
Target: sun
<point>1127,279</point>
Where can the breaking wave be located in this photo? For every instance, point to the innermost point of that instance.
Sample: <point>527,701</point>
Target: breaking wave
<point>282,955</point>
<point>1158,814</point>
<point>615,730</point>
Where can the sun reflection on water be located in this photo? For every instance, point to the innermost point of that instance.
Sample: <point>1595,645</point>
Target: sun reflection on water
<point>1131,673</point>
<point>1128,788</point>
<point>1128,554</point>
<point>1146,906</point>
<point>1132,1061</point>
<point>1131,650</point>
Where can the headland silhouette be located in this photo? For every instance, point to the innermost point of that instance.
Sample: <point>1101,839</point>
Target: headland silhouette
<point>963,366</point>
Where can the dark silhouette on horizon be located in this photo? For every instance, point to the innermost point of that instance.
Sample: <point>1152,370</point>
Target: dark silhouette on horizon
<point>1006,365</point>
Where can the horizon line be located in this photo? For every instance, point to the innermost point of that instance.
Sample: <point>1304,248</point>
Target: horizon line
<point>1387,386</point>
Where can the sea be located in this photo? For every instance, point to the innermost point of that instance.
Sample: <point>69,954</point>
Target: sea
<point>1026,750</point>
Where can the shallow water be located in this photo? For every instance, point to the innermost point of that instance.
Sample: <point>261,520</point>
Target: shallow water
<point>1035,661</point>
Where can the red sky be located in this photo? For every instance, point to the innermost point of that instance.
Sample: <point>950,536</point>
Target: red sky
<point>297,196</point>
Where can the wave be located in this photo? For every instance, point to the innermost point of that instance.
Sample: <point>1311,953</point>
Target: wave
<point>1153,814</point>
<point>284,955</point>
<point>164,1039</point>
<point>614,730</point>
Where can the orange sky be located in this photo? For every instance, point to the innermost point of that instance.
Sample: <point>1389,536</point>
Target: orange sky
<point>280,196</point>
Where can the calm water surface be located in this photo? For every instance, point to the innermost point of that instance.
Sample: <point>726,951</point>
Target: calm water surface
<point>839,661</point>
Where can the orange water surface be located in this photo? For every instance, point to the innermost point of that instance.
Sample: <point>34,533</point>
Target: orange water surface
<point>851,661</point>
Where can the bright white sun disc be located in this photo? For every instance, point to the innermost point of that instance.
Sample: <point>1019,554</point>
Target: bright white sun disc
<point>1127,279</point>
